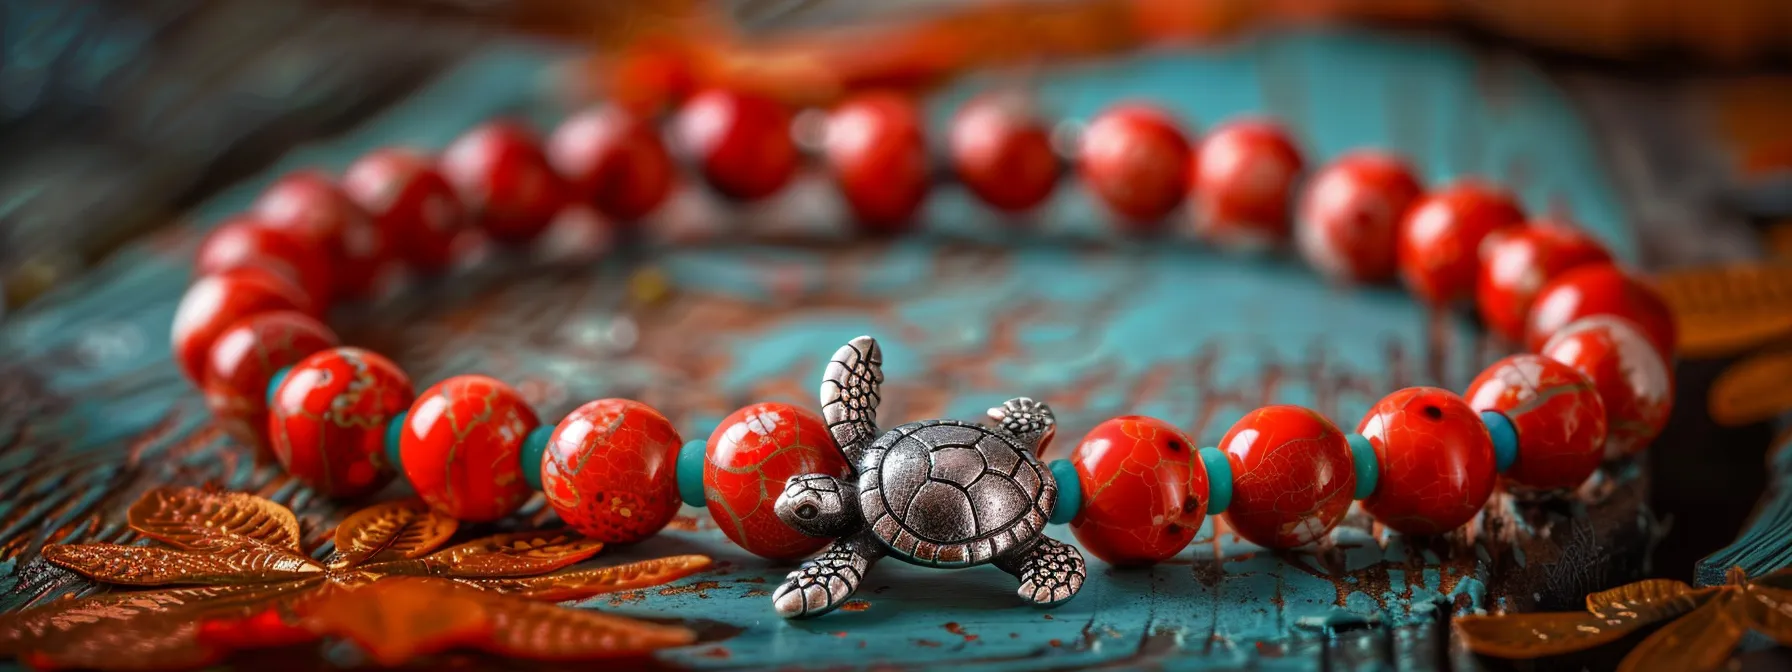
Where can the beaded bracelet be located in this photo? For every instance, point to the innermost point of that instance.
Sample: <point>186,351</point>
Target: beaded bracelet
<point>940,492</point>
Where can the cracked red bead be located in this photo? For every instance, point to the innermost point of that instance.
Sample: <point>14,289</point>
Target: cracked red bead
<point>1439,241</point>
<point>416,212</point>
<point>309,204</point>
<point>247,241</point>
<point>501,173</point>
<point>613,160</point>
<point>1435,457</point>
<point>749,457</point>
<point>610,470</point>
<point>878,156</point>
<point>740,141</point>
<point>1244,177</point>
<point>1144,490</point>
<point>244,360</point>
<point>215,302</point>
<point>1516,263</point>
<point>1003,152</point>
<point>1601,289</point>
<point>1292,476</point>
<point>1635,384</point>
<point>462,447</point>
<point>1557,413</point>
<point>1349,215</point>
<point>327,421</point>
<point>1135,159</point>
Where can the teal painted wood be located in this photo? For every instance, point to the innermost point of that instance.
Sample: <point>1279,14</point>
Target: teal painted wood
<point>92,411</point>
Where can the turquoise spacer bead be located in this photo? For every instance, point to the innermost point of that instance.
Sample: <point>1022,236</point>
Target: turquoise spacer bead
<point>274,383</point>
<point>690,472</point>
<point>1505,439</point>
<point>394,431</point>
<point>1219,480</point>
<point>534,446</point>
<point>1070,492</point>
<point>1368,471</point>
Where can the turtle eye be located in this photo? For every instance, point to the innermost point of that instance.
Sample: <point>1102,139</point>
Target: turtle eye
<point>807,511</point>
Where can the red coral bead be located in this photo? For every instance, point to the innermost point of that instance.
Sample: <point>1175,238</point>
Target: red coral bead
<point>1135,159</point>
<point>1244,175</point>
<point>1516,263</point>
<point>462,447</point>
<point>1293,477</point>
<point>1557,413</point>
<point>750,456</point>
<point>1349,215</point>
<point>1144,490</point>
<point>610,470</point>
<point>1634,382</point>
<point>416,211</point>
<point>245,358</point>
<point>1600,289</point>
<point>741,142</point>
<point>310,205</point>
<point>216,301</point>
<point>246,241</point>
<point>502,175</point>
<point>1003,152</point>
<point>327,420</point>
<point>1436,460</point>
<point>1439,241</point>
<point>613,160</point>
<point>876,152</point>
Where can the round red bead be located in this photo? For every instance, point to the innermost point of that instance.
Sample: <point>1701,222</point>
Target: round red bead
<point>613,160</point>
<point>1516,263</point>
<point>245,358</point>
<point>1136,160</point>
<point>1244,175</point>
<point>1349,215</point>
<point>1600,289</point>
<point>610,470</point>
<point>875,149</point>
<point>1003,152</point>
<point>1555,410</point>
<point>416,211</point>
<point>741,142</point>
<point>1436,460</point>
<point>310,205</point>
<point>462,447</point>
<point>1293,477</point>
<point>1634,382</point>
<point>248,242</point>
<point>1439,240</point>
<point>1144,490</point>
<point>502,175</point>
<point>216,301</point>
<point>327,420</point>
<point>749,457</point>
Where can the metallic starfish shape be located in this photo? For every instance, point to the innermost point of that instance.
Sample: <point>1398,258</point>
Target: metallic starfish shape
<point>245,582</point>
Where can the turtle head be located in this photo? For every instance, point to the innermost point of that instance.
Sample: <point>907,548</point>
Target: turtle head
<point>819,505</point>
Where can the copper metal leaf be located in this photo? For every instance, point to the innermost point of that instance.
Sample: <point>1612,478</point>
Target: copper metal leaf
<point>583,583</point>
<point>1767,611</point>
<point>1701,640</point>
<point>541,631</point>
<point>1753,389</point>
<point>150,566</point>
<point>397,618</point>
<point>517,554</point>
<point>391,531</point>
<point>1649,599</point>
<point>1727,309</point>
<point>1541,634</point>
<point>64,628</point>
<point>197,520</point>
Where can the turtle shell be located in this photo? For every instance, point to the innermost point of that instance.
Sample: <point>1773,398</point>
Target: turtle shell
<point>945,493</point>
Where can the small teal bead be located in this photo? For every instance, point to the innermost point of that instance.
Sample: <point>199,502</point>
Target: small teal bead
<point>274,383</point>
<point>1505,439</point>
<point>1070,492</point>
<point>690,471</point>
<point>534,446</point>
<point>394,431</point>
<point>1368,471</point>
<point>1219,480</point>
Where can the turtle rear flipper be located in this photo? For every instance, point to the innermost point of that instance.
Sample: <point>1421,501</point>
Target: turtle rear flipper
<point>849,396</point>
<point>1050,573</point>
<point>827,580</point>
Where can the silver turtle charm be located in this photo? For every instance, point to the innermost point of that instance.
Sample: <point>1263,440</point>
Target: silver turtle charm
<point>936,493</point>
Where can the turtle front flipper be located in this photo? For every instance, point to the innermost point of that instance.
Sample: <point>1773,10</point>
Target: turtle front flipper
<point>849,396</point>
<point>1030,422</point>
<point>1051,572</point>
<point>827,580</point>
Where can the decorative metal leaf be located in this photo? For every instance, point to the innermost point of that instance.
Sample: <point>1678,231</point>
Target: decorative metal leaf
<point>583,583</point>
<point>541,631</point>
<point>1701,640</point>
<point>1767,611</point>
<point>150,566</point>
<point>1753,389</point>
<point>156,627</point>
<point>1659,597</point>
<point>197,520</point>
<point>397,618</point>
<point>391,531</point>
<point>1727,309</point>
<point>1541,634</point>
<point>517,554</point>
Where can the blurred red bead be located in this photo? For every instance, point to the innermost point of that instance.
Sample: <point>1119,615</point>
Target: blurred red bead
<point>327,420</point>
<point>1144,490</point>
<point>1517,262</point>
<point>1135,159</point>
<point>740,141</point>
<point>1349,214</point>
<point>502,176</point>
<point>1600,289</point>
<point>416,212</point>
<point>1436,460</point>
<point>462,446</point>
<point>1557,413</point>
<point>1439,240</point>
<point>1635,384</point>
<point>613,160</point>
<point>878,156</point>
<point>1003,152</point>
<point>750,456</point>
<point>245,241</point>
<point>1244,176</point>
<point>310,205</point>
<point>1292,476</point>
<point>610,470</point>
<point>216,301</point>
<point>245,358</point>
